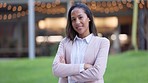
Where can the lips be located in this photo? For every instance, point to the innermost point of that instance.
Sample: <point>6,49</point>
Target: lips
<point>79,27</point>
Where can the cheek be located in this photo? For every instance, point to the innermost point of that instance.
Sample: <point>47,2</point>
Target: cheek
<point>73,24</point>
<point>87,23</point>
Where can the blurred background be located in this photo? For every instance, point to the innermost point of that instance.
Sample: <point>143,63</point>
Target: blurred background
<point>113,20</point>
<point>33,29</point>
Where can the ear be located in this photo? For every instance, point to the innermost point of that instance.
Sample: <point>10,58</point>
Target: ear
<point>88,19</point>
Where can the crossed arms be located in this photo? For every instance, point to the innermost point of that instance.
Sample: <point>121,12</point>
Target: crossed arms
<point>92,72</point>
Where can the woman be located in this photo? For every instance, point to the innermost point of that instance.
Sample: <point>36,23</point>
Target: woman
<point>82,55</point>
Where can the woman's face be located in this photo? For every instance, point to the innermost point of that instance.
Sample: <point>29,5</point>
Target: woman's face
<point>80,22</point>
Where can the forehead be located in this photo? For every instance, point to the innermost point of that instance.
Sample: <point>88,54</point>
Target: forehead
<point>77,11</point>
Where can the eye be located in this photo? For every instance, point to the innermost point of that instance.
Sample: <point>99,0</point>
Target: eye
<point>80,17</point>
<point>73,19</point>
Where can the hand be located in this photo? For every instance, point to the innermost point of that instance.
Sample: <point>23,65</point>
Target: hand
<point>62,60</point>
<point>86,66</point>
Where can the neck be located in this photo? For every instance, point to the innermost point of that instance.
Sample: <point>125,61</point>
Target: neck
<point>83,36</point>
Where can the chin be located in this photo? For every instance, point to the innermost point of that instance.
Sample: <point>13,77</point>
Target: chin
<point>80,33</point>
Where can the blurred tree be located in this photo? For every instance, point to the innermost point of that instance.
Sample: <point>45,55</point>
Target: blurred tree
<point>134,26</point>
<point>146,27</point>
<point>142,29</point>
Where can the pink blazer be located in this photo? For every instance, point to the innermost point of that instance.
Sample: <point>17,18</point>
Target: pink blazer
<point>96,54</point>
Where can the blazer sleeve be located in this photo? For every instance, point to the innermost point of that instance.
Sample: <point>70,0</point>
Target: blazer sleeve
<point>62,69</point>
<point>99,67</point>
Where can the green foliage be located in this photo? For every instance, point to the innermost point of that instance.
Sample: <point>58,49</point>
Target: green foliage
<point>27,71</point>
<point>128,67</point>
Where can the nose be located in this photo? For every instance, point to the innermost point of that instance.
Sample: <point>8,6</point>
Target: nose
<point>77,21</point>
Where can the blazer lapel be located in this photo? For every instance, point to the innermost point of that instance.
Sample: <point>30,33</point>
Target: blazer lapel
<point>89,51</point>
<point>68,50</point>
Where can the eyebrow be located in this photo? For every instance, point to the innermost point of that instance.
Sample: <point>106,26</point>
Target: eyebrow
<point>78,15</point>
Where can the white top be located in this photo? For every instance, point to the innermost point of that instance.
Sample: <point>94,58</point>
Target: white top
<point>78,51</point>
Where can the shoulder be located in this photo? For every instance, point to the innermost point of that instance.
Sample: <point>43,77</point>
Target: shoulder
<point>102,39</point>
<point>65,40</point>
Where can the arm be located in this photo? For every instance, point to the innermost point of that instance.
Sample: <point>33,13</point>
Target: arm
<point>97,71</point>
<point>61,69</point>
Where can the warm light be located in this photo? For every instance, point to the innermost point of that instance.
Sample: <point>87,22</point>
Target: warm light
<point>120,6</point>
<point>40,39</point>
<point>106,10</point>
<point>111,9</point>
<point>44,11</point>
<point>124,1</point>
<point>5,17</point>
<point>42,24</point>
<point>99,22</point>
<point>99,4</point>
<point>55,22</point>
<point>23,13</point>
<point>53,11</point>
<point>4,5</point>
<point>57,2</point>
<point>38,3</point>
<point>9,16</point>
<point>111,22</point>
<point>14,8</point>
<point>19,8</point>
<point>1,5</point>
<point>129,0</point>
<point>113,37</point>
<point>116,8</point>
<point>114,3</point>
<point>54,39</point>
<point>109,4</point>
<point>63,10</point>
<point>129,5</point>
<point>53,4</point>
<point>37,8</point>
<point>51,39</point>
<point>123,38</point>
<point>9,7</point>
<point>103,4</point>
<point>43,5</point>
<point>48,5</point>
<point>48,11</point>
<point>93,3</point>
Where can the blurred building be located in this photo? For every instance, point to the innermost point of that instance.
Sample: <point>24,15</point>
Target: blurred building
<point>113,19</point>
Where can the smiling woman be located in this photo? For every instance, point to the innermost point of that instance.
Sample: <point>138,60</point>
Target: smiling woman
<point>82,55</point>
<point>80,22</point>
